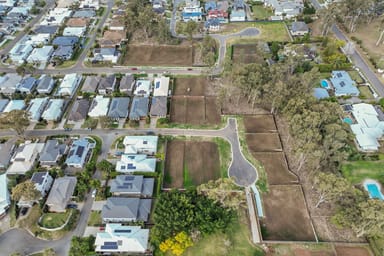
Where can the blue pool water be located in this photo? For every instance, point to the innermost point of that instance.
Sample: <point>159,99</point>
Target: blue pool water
<point>374,191</point>
<point>347,120</point>
<point>324,84</point>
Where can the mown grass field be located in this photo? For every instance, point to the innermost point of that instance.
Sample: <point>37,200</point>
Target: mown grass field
<point>357,171</point>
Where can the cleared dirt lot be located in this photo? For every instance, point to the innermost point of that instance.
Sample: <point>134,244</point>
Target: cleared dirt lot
<point>246,53</point>
<point>259,123</point>
<point>352,251</point>
<point>190,86</point>
<point>166,55</point>
<point>198,161</point>
<point>194,110</point>
<point>263,142</point>
<point>276,167</point>
<point>287,201</point>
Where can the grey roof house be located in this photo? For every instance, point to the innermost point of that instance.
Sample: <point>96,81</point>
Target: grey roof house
<point>9,82</point>
<point>299,28</point>
<point>107,85</point>
<point>63,52</point>
<point>159,106</point>
<point>6,152</point>
<point>27,85</point>
<point>52,152</point>
<point>139,108</point>
<point>126,84</point>
<point>121,209</point>
<point>61,194</point>
<point>84,13</point>
<point>45,29</point>
<point>65,41</point>
<point>3,104</point>
<point>119,108</point>
<point>79,110</point>
<point>132,185</point>
<point>45,84</point>
<point>90,84</point>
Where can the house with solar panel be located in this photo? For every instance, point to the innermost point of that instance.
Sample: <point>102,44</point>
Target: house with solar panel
<point>119,238</point>
<point>143,88</point>
<point>80,152</point>
<point>123,209</point>
<point>132,186</point>
<point>343,84</point>
<point>161,86</point>
<point>43,182</point>
<point>140,144</point>
<point>135,163</point>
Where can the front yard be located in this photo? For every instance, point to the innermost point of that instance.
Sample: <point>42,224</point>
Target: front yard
<point>54,220</point>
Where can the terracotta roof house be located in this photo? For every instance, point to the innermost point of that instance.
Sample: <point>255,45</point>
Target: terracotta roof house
<point>77,22</point>
<point>112,38</point>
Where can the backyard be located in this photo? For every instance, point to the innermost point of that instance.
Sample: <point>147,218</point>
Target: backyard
<point>357,171</point>
<point>260,12</point>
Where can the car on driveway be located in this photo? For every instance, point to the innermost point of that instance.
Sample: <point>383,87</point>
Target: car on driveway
<point>94,192</point>
<point>72,206</point>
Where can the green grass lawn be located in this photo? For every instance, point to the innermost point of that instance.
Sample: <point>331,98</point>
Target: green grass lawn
<point>357,171</point>
<point>225,156</point>
<point>236,241</point>
<point>54,220</point>
<point>365,92</point>
<point>356,76</point>
<point>94,218</point>
<point>260,12</point>
<point>269,31</point>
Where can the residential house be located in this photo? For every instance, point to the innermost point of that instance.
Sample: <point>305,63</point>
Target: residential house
<point>9,82</point>
<point>79,111</point>
<point>63,52</point>
<point>66,41</point>
<point>143,88</point>
<point>132,186</point>
<point>45,29</point>
<point>107,85</point>
<point>127,83</point>
<point>56,16</point>
<point>43,182</point>
<point>61,194</point>
<point>74,31</point>
<point>219,15</point>
<point>90,84</point>
<point>54,110</point>
<point>285,8</point>
<point>20,52</point>
<point>238,11</point>
<point>41,55</point>
<point>343,84</point>
<point>119,108</point>
<point>79,153</point>
<point>299,28</point>
<point>161,86</point>
<point>27,85</point>
<point>113,39</point>
<point>77,22</point>
<point>89,4</point>
<point>212,25</point>
<point>118,238</point>
<point>159,107</point>
<point>8,3</point>
<point>117,24</point>
<point>69,84</point>
<point>192,11</point>
<point>45,84</point>
<point>14,105</point>
<point>122,209</point>
<point>210,5</point>
<point>39,39</point>
<point>84,13</point>
<point>6,151</point>
<point>140,144</point>
<point>99,106</point>
<point>135,163</point>
<point>106,54</point>
<point>368,126</point>
<point>158,6</point>
<point>3,104</point>
<point>5,200</point>
<point>36,108</point>
<point>52,152</point>
<point>139,108</point>
<point>25,157</point>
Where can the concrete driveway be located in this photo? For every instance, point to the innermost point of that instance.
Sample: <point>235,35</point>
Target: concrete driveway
<point>98,205</point>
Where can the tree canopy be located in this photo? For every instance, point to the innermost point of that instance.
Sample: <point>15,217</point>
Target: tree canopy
<point>26,191</point>
<point>17,120</point>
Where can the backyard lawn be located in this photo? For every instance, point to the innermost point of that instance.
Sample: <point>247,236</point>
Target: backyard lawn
<point>356,76</point>
<point>95,219</point>
<point>54,220</point>
<point>365,92</point>
<point>260,12</point>
<point>357,171</point>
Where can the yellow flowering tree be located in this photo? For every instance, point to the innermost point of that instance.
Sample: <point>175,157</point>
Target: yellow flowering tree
<point>177,245</point>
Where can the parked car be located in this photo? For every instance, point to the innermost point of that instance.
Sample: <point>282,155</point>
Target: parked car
<point>94,192</point>
<point>72,206</point>
<point>133,68</point>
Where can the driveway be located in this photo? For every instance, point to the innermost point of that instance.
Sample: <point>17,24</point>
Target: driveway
<point>98,205</point>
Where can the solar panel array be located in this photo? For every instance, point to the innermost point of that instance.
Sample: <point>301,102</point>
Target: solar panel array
<point>123,231</point>
<point>129,177</point>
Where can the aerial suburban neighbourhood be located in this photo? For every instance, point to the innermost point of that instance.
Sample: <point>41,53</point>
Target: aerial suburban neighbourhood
<point>192,127</point>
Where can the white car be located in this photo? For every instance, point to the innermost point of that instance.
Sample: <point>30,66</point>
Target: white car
<point>94,193</point>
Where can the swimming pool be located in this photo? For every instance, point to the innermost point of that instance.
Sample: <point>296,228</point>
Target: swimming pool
<point>347,120</point>
<point>373,189</point>
<point>325,84</point>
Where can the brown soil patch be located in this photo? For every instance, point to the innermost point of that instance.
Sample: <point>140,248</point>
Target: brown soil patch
<point>305,252</point>
<point>195,110</point>
<point>190,86</point>
<point>212,112</point>
<point>259,123</point>
<point>167,55</point>
<point>286,216</point>
<point>263,142</point>
<point>179,110</point>
<point>199,158</point>
<point>352,251</point>
<point>246,53</point>
<point>174,164</point>
<point>276,167</point>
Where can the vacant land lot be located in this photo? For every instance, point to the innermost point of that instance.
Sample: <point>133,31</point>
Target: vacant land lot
<point>263,142</point>
<point>352,251</point>
<point>246,53</point>
<point>276,167</point>
<point>190,86</point>
<point>191,163</point>
<point>195,110</point>
<point>259,123</point>
<point>287,201</point>
<point>163,55</point>
<point>298,249</point>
